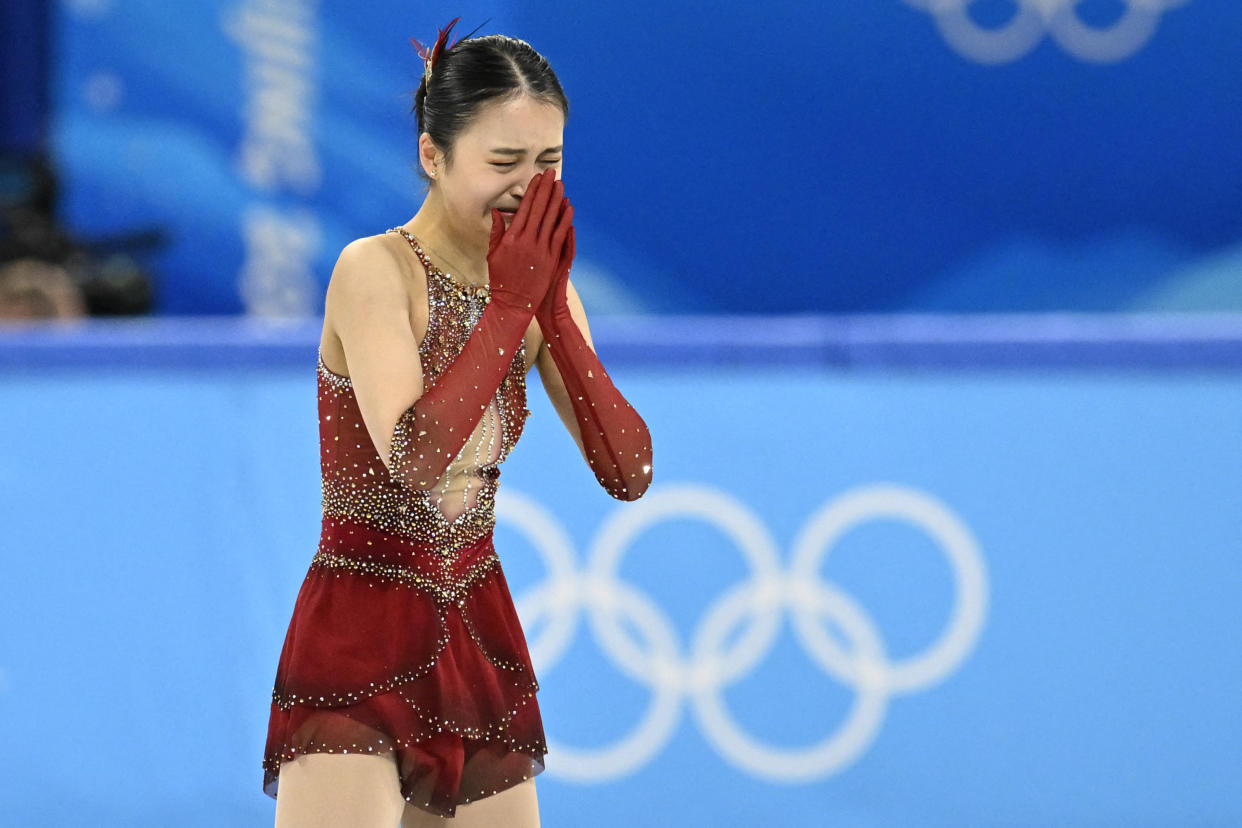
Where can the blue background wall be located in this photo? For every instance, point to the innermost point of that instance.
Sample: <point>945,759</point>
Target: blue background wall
<point>752,157</point>
<point>1028,615</point>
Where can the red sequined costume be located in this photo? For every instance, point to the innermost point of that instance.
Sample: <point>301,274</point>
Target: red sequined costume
<point>404,635</point>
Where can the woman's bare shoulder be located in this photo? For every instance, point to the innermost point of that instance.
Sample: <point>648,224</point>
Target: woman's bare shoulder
<point>371,271</point>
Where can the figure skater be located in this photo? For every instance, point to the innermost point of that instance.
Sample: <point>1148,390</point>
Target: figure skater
<point>404,692</point>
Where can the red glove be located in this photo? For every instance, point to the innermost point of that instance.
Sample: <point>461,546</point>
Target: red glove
<point>616,440</point>
<point>522,262</point>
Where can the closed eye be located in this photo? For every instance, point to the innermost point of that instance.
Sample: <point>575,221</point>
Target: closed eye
<point>511,163</point>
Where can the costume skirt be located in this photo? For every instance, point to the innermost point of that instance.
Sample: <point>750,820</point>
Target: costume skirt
<point>394,646</point>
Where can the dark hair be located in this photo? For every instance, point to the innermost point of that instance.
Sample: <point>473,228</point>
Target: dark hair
<point>477,70</point>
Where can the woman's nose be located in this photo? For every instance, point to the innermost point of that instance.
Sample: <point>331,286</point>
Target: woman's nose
<point>518,190</point>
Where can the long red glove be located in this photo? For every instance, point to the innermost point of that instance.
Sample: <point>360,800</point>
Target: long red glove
<point>522,261</point>
<point>617,442</point>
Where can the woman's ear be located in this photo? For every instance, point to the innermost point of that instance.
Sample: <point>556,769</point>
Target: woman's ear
<point>428,155</point>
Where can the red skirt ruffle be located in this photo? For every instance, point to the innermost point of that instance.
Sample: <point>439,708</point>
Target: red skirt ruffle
<point>395,647</point>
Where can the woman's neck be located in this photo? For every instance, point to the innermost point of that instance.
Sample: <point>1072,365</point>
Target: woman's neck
<point>461,258</point>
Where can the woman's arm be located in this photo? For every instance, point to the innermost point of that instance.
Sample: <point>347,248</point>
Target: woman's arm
<point>418,442</point>
<point>612,436</point>
<point>367,308</point>
<point>550,375</point>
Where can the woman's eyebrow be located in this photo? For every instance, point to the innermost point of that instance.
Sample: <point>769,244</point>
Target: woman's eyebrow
<point>512,151</point>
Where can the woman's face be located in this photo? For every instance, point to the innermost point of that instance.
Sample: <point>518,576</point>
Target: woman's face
<point>495,157</point>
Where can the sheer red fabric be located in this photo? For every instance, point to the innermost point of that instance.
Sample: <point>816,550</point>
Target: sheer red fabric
<point>522,262</point>
<point>430,433</point>
<point>397,647</point>
<point>614,436</point>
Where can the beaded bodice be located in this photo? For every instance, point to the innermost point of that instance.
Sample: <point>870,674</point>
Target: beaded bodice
<point>460,508</point>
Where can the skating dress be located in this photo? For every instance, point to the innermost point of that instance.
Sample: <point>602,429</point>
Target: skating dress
<point>404,636</point>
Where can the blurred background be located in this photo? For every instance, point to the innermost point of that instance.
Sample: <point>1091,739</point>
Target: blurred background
<point>934,308</point>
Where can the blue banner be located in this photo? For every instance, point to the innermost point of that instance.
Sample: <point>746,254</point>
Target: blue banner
<point>893,155</point>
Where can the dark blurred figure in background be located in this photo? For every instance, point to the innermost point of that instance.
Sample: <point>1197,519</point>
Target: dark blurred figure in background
<point>34,284</point>
<point>44,271</point>
<point>34,289</point>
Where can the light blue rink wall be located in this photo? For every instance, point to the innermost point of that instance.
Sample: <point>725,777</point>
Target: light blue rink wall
<point>891,573</point>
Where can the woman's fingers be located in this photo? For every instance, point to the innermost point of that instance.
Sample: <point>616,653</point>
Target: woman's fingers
<point>539,211</point>
<point>531,208</point>
<point>564,223</point>
<point>498,230</point>
<point>552,221</point>
<point>523,210</point>
<point>556,203</point>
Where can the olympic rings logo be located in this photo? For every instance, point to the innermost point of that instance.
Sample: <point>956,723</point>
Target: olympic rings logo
<point>1035,18</point>
<point>701,672</point>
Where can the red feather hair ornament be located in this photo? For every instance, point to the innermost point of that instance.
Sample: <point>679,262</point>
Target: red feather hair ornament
<point>432,55</point>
